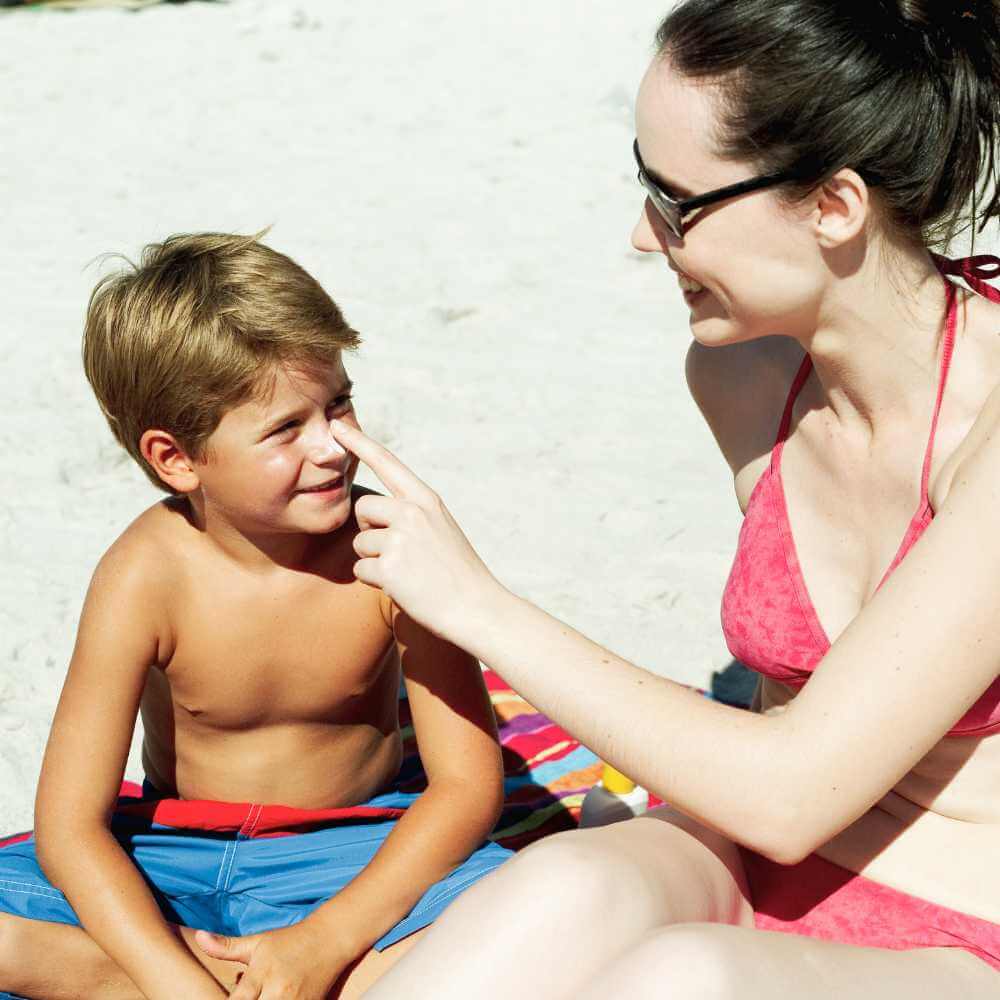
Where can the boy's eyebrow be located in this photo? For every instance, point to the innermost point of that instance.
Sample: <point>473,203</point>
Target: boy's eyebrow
<point>345,386</point>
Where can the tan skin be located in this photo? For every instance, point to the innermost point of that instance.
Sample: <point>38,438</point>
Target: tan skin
<point>856,766</point>
<point>264,672</point>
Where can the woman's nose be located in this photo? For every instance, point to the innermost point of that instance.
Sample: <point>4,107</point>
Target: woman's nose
<point>647,236</point>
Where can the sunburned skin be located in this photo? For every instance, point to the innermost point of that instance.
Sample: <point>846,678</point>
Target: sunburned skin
<point>255,700</point>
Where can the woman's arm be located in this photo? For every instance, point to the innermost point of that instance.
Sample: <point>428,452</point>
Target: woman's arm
<point>903,673</point>
<point>81,775</point>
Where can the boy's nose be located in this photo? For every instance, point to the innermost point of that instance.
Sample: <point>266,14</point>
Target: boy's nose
<point>324,447</point>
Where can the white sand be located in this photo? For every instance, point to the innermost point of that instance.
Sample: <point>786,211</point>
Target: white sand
<point>459,176</point>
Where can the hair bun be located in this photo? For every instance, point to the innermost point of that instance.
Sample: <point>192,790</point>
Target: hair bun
<point>950,16</point>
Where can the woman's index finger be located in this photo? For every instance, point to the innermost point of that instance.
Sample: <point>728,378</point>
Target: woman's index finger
<point>394,475</point>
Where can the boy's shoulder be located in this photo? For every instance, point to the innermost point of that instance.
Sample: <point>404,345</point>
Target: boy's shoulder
<point>144,549</point>
<point>135,577</point>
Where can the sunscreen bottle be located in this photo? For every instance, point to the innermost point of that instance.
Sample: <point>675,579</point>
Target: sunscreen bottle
<point>612,799</point>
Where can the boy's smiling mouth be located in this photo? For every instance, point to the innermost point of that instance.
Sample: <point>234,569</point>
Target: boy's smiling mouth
<point>328,486</point>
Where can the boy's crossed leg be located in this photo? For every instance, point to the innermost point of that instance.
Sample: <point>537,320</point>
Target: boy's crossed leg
<point>51,961</point>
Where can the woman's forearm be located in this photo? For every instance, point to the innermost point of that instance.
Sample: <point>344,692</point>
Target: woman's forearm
<point>734,771</point>
<point>118,911</point>
<point>707,759</point>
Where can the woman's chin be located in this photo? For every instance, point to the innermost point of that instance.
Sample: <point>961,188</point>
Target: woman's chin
<point>715,332</point>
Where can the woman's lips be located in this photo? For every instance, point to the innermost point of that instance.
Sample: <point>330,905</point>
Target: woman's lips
<point>688,284</point>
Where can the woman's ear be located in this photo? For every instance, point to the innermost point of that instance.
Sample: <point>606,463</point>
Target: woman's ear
<point>843,204</point>
<point>169,460</point>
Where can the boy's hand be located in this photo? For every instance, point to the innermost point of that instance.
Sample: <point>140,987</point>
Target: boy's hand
<point>413,549</point>
<point>293,963</point>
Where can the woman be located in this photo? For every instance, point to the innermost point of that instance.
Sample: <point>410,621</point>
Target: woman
<point>859,811</point>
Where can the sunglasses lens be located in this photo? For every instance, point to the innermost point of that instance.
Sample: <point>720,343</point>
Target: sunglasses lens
<point>667,211</point>
<point>670,216</point>
<point>664,207</point>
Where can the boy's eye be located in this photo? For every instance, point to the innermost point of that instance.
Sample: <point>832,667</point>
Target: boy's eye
<point>341,402</point>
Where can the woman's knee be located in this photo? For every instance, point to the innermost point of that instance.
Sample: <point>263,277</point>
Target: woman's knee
<point>582,869</point>
<point>683,961</point>
<point>716,851</point>
<point>657,871</point>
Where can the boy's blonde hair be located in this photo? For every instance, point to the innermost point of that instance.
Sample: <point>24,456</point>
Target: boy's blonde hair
<point>196,329</point>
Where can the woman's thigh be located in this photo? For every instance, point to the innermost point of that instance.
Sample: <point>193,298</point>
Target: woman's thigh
<point>567,906</point>
<point>716,962</point>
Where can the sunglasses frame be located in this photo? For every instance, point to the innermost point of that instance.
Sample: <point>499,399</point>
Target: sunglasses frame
<point>672,210</point>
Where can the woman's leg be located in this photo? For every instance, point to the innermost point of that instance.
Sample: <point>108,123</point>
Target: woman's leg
<point>372,967</point>
<point>714,962</point>
<point>547,921</point>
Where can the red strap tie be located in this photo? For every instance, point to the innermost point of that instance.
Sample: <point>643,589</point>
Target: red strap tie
<point>976,271</point>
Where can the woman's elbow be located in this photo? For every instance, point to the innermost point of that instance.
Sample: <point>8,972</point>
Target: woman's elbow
<point>788,836</point>
<point>787,853</point>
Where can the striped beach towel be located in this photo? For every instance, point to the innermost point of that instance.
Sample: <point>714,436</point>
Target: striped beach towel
<point>546,771</point>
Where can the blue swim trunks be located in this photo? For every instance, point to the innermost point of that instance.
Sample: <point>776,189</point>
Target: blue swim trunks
<point>243,868</point>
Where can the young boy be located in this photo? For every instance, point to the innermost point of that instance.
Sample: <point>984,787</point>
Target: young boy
<point>229,616</point>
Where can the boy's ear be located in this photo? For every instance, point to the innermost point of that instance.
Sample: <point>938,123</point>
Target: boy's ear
<point>169,460</point>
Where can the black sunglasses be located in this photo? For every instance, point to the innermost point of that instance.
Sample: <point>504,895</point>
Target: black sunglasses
<point>673,210</point>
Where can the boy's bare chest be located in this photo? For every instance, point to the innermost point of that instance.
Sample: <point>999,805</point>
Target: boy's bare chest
<point>244,658</point>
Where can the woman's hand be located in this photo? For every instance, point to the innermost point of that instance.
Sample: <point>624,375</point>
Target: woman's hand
<point>412,548</point>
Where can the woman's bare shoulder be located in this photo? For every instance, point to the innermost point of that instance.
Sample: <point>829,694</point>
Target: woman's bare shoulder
<point>741,391</point>
<point>979,447</point>
<point>972,404</point>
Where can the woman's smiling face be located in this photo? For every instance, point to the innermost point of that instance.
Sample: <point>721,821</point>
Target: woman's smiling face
<point>757,260</point>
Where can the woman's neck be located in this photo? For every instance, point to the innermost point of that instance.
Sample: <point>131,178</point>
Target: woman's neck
<point>876,346</point>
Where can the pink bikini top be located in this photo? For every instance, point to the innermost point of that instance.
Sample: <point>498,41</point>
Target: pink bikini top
<point>768,618</point>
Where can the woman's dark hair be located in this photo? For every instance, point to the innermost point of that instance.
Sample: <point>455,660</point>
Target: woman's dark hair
<point>905,92</point>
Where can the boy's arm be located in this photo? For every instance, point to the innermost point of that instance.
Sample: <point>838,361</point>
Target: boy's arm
<point>457,738</point>
<point>118,640</point>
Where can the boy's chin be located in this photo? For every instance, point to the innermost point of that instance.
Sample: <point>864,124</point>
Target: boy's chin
<point>322,522</point>
<point>333,524</point>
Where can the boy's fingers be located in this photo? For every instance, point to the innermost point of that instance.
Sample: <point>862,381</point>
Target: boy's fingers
<point>232,949</point>
<point>398,479</point>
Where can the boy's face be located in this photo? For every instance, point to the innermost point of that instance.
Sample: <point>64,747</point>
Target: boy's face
<point>272,465</point>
